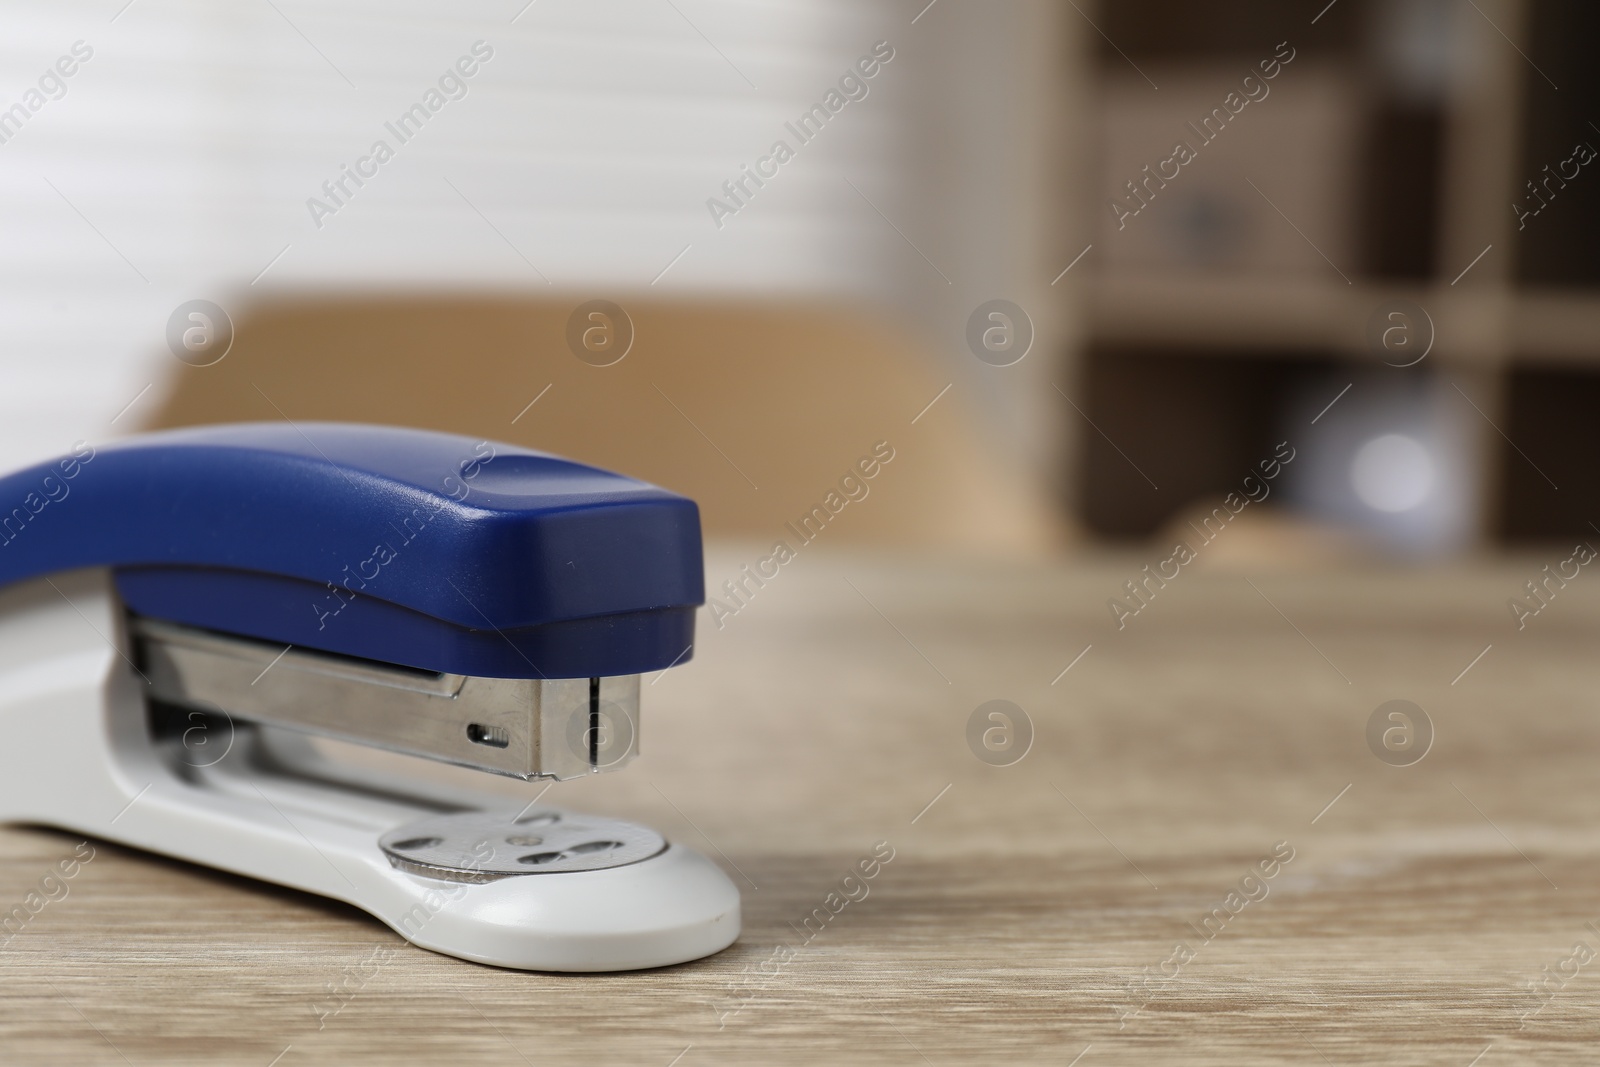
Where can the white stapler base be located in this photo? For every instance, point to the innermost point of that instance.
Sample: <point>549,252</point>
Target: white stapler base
<point>79,755</point>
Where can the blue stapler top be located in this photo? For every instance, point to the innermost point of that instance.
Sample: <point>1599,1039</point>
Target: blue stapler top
<point>423,549</point>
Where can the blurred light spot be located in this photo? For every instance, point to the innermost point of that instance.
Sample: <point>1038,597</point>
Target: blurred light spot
<point>1392,473</point>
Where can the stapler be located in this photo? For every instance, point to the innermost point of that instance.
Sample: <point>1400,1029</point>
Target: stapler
<point>187,618</point>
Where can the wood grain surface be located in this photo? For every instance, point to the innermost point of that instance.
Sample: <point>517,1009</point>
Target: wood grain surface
<point>1430,914</point>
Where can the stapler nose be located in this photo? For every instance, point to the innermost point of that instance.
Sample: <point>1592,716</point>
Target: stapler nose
<point>433,596</point>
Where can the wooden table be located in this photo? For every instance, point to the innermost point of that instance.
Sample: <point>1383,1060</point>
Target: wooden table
<point>1030,912</point>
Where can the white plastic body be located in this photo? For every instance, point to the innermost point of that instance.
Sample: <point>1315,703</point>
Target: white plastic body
<point>78,754</point>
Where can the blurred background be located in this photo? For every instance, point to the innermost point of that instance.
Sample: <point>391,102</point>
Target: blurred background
<point>1086,267</point>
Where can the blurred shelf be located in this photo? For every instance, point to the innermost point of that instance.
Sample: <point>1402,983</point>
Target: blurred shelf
<point>1558,326</point>
<point>1455,126</point>
<point>1476,325</point>
<point>1190,312</point>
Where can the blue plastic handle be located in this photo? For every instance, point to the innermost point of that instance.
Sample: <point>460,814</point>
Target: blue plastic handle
<point>424,549</point>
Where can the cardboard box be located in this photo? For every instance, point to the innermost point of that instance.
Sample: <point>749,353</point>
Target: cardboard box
<point>1175,192</point>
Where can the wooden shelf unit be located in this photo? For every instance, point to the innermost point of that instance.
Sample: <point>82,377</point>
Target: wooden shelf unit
<point>1507,317</point>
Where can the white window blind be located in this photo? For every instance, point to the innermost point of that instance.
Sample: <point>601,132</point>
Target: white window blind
<point>178,160</point>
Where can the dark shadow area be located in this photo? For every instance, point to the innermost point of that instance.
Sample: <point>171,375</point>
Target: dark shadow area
<point>1194,424</point>
<point>1551,417</point>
